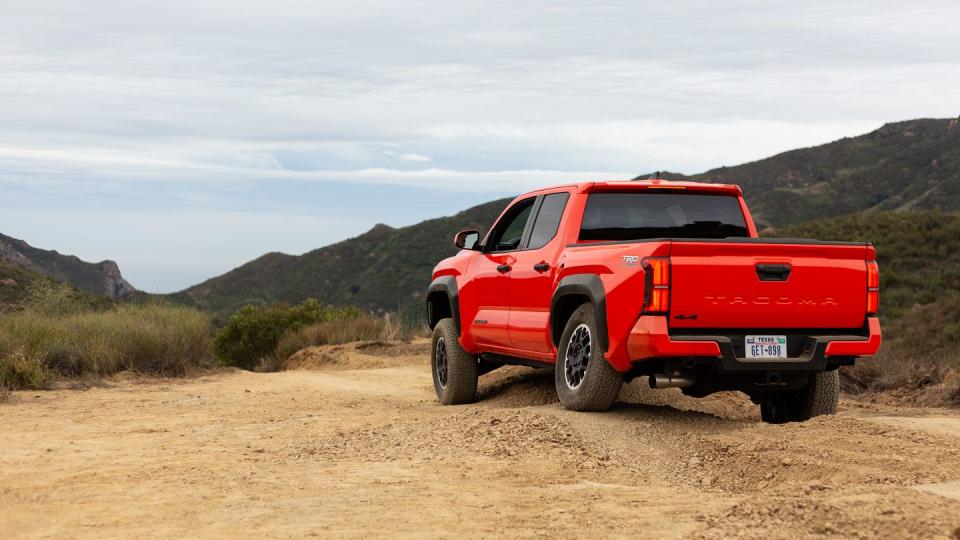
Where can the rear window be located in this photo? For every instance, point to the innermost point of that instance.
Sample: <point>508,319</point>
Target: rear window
<point>636,216</point>
<point>548,220</point>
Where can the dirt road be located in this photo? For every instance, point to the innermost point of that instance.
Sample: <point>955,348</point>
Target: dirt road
<point>353,443</point>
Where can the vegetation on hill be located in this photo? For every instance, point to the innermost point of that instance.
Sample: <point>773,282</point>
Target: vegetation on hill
<point>384,270</point>
<point>919,258</point>
<point>901,166</point>
<point>20,288</point>
<point>14,282</point>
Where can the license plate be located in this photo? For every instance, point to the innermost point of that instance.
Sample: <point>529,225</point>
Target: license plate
<point>765,346</point>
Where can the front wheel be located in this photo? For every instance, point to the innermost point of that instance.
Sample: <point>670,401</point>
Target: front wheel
<point>454,369</point>
<point>820,397</point>
<point>584,379</point>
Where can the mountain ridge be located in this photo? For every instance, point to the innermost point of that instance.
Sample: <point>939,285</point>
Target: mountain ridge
<point>911,164</point>
<point>376,270</point>
<point>914,164</point>
<point>102,277</point>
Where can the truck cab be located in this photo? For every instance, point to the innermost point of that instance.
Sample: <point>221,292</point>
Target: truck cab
<point>607,281</point>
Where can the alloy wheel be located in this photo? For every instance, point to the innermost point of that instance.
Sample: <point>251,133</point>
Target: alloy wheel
<point>577,357</point>
<point>440,359</point>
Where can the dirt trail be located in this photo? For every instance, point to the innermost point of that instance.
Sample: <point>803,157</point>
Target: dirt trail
<point>354,444</point>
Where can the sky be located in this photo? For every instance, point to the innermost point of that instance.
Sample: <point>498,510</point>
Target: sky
<point>184,138</point>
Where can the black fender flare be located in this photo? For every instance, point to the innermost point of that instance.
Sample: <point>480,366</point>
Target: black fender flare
<point>448,286</point>
<point>588,285</point>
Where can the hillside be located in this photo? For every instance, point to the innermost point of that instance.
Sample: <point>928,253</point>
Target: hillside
<point>379,270</point>
<point>904,165</point>
<point>20,287</point>
<point>101,278</point>
<point>919,258</point>
<point>14,282</point>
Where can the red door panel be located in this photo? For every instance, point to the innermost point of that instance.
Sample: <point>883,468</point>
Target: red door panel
<point>485,303</point>
<point>530,294</point>
<point>533,276</point>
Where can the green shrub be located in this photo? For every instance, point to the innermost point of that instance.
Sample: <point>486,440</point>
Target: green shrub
<point>150,338</point>
<point>253,332</point>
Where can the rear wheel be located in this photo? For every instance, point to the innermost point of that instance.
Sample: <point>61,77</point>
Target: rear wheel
<point>820,397</point>
<point>584,379</point>
<point>454,369</point>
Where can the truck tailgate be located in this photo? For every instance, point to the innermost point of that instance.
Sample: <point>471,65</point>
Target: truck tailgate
<point>765,283</point>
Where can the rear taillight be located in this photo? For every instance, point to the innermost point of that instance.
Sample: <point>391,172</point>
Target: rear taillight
<point>873,288</point>
<point>656,294</point>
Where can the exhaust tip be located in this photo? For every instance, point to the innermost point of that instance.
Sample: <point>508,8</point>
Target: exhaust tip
<point>666,381</point>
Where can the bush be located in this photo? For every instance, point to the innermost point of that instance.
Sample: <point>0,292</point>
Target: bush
<point>907,372</point>
<point>253,332</point>
<point>335,333</point>
<point>21,370</point>
<point>365,328</point>
<point>151,338</point>
<point>55,298</point>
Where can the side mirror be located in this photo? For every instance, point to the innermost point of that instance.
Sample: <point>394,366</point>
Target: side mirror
<point>466,239</point>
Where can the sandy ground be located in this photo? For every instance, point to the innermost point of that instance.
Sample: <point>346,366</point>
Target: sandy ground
<point>353,443</point>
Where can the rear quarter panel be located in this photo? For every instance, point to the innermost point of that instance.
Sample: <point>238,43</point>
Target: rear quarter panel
<point>618,266</point>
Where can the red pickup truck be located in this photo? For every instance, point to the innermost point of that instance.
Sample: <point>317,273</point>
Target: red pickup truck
<point>608,281</point>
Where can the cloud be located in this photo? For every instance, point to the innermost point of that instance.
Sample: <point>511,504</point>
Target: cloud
<point>20,165</point>
<point>474,86</point>
<point>417,158</point>
<point>111,99</point>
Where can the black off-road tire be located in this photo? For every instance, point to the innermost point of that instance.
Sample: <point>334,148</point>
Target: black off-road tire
<point>454,369</point>
<point>820,397</point>
<point>596,387</point>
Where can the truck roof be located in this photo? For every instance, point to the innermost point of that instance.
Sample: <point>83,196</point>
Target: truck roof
<point>651,184</point>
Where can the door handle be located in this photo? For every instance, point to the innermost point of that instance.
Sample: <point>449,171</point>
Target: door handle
<point>541,267</point>
<point>504,268</point>
<point>773,272</point>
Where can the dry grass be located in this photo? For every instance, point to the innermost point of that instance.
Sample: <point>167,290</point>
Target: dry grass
<point>165,340</point>
<point>21,369</point>
<point>336,333</point>
<point>931,379</point>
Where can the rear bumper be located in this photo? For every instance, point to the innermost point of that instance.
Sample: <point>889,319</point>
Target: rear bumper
<point>650,338</point>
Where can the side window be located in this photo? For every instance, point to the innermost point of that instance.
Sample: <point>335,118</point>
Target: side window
<point>548,219</point>
<point>508,233</point>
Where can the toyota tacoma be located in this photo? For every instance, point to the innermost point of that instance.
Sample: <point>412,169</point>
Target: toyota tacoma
<point>607,281</point>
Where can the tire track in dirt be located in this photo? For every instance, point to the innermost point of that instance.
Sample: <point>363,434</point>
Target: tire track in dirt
<point>356,446</point>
